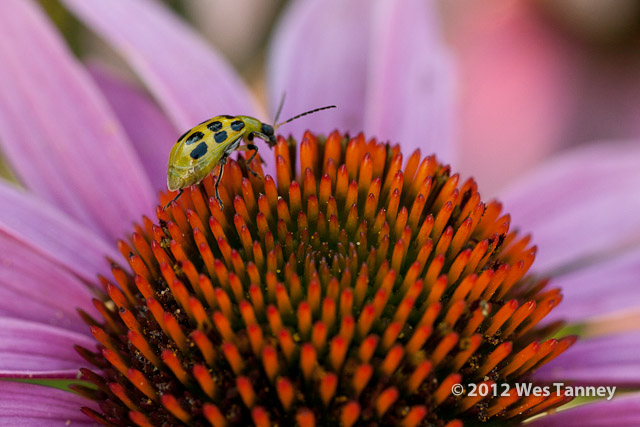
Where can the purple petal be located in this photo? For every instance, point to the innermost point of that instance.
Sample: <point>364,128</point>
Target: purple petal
<point>32,287</point>
<point>581,205</point>
<point>189,79</point>
<point>606,288</point>
<point>35,405</point>
<point>355,54</point>
<point>52,235</point>
<point>147,127</point>
<point>609,361</point>
<point>319,56</point>
<point>518,89</point>
<point>34,350</point>
<point>58,132</point>
<point>620,411</point>
<point>410,89</point>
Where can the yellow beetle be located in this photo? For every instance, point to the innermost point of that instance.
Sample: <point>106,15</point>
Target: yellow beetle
<point>200,149</point>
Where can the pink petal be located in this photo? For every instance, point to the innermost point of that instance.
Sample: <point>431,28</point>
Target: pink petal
<point>34,350</point>
<point>189,79</point>
<point>619,411</point>
<point>580,206</point>
<point>610,360</point>
<point>29,405</point>
<point>410,87</point>
<point>33,287</point>
<point>58,132</point>
<point>53,235</point>
<point>147,127</point>
<point>605,288</point>
<point>516,89</point>
<point>320,56</point>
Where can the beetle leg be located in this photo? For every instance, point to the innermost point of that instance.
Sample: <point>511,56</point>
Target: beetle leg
<point>253,156</point>
<point>222,162</point>
<point>174,199</point>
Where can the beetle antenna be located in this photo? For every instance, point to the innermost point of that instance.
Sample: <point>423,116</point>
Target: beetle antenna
<point>284,95</point>
<point>304,114</point>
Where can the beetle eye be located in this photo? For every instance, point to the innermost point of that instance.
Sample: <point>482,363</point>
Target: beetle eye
<point>267,129</point>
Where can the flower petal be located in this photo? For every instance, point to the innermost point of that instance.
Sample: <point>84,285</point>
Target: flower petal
<point>32,287</point>
<point>147,127</point>
<point>189,79</point>
<point>35,405</point>
<point>53,235</point>
<point>620,411</point>
<point>581,205</point>
<point>517,90</point>
<point>58,132</point>
<point>611,360</point>
<point>410,88</point>
<point>34,350</point>
<point>584,297</point>
<point>319,56</point>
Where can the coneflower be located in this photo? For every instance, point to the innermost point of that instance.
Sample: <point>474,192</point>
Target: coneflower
<point>359,292</point>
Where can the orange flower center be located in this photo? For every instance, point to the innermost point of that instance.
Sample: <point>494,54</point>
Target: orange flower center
<point>360,293</point>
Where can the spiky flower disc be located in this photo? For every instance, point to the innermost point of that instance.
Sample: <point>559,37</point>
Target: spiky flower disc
<point>359,293</point>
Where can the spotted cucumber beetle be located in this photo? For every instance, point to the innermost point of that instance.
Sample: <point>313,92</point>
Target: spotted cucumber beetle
<point>200,149</point>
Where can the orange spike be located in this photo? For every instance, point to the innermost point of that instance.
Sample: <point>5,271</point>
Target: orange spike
<point>140,419</point>
<point>367,347</point>
<point>392,360</point>
<point>307,360</point>
<point>138,379</point>
<point>142,345</point>
<point>444,390</point>
<point>327,388</point>
<point>418,339</point>
<point>305,418</point>
<point>201,374</point>
<point>444,347</point>
<point>350,414</point>
<point>319,336</point>
<point>205,346</point>
<point>243,384</point>
<point>418,376</point>
<point>494,358</point>
<point>275,321</point>
<point>385,400</point>
<point>366,320</point>
<point>501,317</point>
<point>468,347</point>
<point>270,362</point>
<point>213,415</point>
<point>519,359</point>
<point>223,326</point>
<point>285,391</point>
<point>415,415</point>
<point>171,360</point>
<point>232,355</point>
<point>260,417</point>
<point>390,335</point>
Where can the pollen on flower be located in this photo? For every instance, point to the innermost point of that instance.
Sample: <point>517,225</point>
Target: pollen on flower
<point>355,292</point>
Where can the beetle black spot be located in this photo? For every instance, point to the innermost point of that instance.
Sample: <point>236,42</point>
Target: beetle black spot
<point>199,151</point>
<point>214,126</point>
<point>220,136</point>
<point>194,137</point>
<point>226,116</point>
<point>237,125</point>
